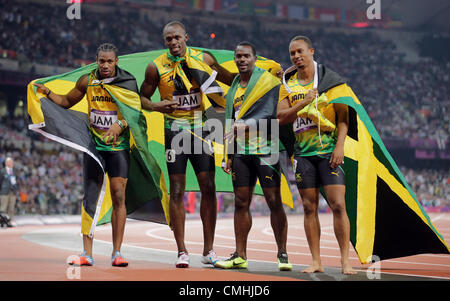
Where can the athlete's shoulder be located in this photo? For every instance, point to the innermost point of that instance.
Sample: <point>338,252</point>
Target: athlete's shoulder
<point>197,53</point>
<point>162,56</point>
<point>162,64</point>
<point>82,82</point>
<point>290,73</point>
<point>209,59</point>
<point>341,91</point>
<point>328,78</point>
<point>84,77</point>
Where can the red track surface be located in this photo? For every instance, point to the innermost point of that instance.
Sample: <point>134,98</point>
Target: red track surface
<point>21,259</point>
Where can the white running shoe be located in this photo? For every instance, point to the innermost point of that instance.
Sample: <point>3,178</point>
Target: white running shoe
<point>183,260</point>
<point>211,258</point>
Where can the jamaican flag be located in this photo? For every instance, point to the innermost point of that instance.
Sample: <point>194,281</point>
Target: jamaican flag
<point>205,76</point>
<point>47,118</point>
<point>214,90</point>
<point>386,220</point>
<point>146,194</point>
<point>259,101</point>
<point>192,66</point>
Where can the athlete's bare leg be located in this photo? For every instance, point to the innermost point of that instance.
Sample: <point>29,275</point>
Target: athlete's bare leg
<point>119,212</point>
<point>177,210</point>
<point>278,218</point>
<point>242,218</point>
<point>336,199</point>
<point>87,244</point>
<point>310,199</point>
<point>208,208</point>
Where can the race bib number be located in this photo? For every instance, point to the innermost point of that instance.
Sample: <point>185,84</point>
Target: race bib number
<point>303,124</point>
<point>189,101</point>
<point>170,155</point>
<point>102,120</point>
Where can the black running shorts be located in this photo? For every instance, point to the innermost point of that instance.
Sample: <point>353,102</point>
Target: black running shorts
<point>116,163</point>
<point>185,145</point>
<point>245,169</point>
<point>315,171</point>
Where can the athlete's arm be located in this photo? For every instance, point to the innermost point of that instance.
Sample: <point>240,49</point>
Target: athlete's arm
<point>148,88</point>
<point>223,75</point>
<point>238,128</point>
<point>287,114</point>
<point>71,98</point>
<point>337,156</point>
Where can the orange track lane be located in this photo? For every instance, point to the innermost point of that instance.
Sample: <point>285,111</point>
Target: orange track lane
<point>26,254</point>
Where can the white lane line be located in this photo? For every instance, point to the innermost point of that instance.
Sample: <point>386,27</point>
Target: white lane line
<point>438,217</point>
<point>151,233</point>
<point>64,230</point>
<point>268,231</point>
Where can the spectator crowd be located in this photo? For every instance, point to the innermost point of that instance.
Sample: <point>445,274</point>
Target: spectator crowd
<point>404,99</point>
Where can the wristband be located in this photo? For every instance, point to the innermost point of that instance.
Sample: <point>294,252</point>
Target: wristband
<point>120,124</point>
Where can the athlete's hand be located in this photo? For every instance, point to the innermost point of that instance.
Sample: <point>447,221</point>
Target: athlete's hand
<point>280,73</point>
<point>337,156</point>
<point>227,167</point>
<point>165,106</point>
<point>41,88</point>
<point>311,95</point>
<point>237,127</point>
<point>112,134</point>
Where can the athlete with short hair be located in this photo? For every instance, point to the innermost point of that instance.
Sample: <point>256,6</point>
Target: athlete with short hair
<point>319,145</point>
<point>181,107</point>
<point>252,157</point>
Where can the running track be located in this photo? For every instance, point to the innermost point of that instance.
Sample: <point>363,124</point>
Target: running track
<point>40,252</point>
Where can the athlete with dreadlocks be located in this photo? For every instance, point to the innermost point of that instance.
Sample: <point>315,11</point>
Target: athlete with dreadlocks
<point>111,135</point>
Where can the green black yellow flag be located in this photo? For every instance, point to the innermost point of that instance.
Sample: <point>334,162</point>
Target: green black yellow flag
<point>260,101</point>
<point>386,220</point>
<point>71,128</point>
<point>146,194</point>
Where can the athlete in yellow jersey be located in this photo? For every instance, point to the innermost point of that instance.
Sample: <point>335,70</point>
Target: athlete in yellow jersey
<point>111,135</point>
<point>251,161</point>
<point>308,141</point>
<point>180,107</point>
<point>318,154</point>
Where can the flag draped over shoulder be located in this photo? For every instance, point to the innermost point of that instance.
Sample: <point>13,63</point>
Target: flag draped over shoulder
<point>386,220</point>
<point>71,127</point>
<point>146,194</point>
<point>260,103</point>
<point>260,99</point>
<point>204,74</point>
<point>201,72</point>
